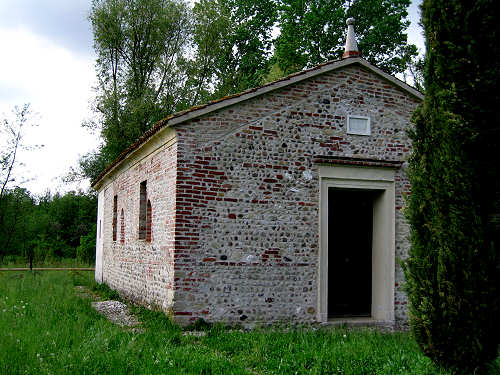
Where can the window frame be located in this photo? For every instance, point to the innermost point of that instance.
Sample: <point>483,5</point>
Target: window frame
<point>122,227</point>
<point>149,221</point>
<point>357,132</point>
<point>143,198</point>
<point>115,217</point>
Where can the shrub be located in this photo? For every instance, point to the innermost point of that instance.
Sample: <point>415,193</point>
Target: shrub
<point>86,250</point>
<point>452,270</point>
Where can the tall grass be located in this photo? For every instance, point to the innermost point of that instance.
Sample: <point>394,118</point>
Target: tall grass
<point>46,328</point>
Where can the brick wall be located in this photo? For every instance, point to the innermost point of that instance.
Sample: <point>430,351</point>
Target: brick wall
<point>138,269</point>
<point>248,194</point>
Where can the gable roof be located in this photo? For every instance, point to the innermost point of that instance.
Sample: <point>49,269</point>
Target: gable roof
<point>214,105</point>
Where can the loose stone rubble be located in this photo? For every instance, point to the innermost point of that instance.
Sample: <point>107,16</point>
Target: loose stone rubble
<point>117,312</point>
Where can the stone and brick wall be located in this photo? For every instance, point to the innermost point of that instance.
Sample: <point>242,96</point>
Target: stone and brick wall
<point>402,244</point>
<point>235,201</point>
<point>247,194</point>
<point>142,269</point>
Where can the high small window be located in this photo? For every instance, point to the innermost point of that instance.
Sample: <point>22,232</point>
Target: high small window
<point>122,228</point>
<point>149,219</point>
<point>142,210</point>
<point>115,213</point>
<point>359,125</point>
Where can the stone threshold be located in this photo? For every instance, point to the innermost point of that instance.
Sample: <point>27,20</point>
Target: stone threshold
<point>361,322</point>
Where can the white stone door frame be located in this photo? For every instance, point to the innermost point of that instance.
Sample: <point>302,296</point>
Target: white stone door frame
<point>383,242</point>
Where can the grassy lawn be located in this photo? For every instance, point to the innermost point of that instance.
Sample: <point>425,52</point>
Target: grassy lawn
<point>46,328</point>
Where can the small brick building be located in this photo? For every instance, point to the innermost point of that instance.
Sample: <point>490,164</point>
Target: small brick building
<point>282,203</point>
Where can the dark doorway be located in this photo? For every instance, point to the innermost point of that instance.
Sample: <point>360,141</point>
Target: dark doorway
<point>350,227</point>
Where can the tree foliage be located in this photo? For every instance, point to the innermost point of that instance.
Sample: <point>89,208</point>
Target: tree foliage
<point>249,48</point>
<point>210,41</point>
<point>313,31</point>
<point>85,251</point>
<point>155,57</point>
<point>17,227</point>
<point>415,72</point>
<point>138,45</point>
<point>453,269</point>
<point>47,227</point>
<point>232,40</point>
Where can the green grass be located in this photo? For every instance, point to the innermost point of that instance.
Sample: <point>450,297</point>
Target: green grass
<point>46,328</point>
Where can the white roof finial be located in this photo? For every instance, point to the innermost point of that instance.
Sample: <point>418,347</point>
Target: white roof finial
<point>351,47</point>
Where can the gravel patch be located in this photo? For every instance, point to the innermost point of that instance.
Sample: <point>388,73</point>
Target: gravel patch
<point>117,312</point>
<point>194,333</point>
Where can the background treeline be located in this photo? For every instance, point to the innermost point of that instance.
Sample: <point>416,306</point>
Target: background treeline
<point>47,228</point>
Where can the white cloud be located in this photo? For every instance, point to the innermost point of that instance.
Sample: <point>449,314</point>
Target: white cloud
<point>58,84</point>
<point>64,22</point>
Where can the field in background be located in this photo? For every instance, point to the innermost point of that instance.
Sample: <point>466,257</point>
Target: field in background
<point>22,262</point>
<point>47,328</point>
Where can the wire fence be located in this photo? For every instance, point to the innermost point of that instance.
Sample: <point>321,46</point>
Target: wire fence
<point>47,269</point>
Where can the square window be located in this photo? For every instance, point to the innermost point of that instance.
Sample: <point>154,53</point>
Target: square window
<point>115,212</point>
<point>359,125</point>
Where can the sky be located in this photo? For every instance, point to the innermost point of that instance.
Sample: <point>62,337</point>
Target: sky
<point>47,60</point>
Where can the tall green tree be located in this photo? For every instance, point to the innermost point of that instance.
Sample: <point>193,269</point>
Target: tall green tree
<point>454,263</point>
<point>211,34</point>
<point>233,43</point>
<point>138,44</point>
<point>247,59</point>
<point>313,31</point>
<point>415,72</point>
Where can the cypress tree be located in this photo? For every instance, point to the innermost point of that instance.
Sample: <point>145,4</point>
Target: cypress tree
<point>452,271</point>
